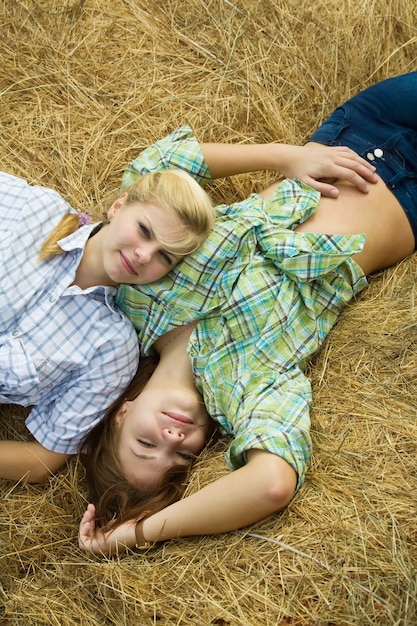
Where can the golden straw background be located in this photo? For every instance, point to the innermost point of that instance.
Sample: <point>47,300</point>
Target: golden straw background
<point>85,85</point>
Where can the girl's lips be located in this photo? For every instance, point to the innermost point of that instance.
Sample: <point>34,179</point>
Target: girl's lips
<point>177,417</point>
<point>127,266</point>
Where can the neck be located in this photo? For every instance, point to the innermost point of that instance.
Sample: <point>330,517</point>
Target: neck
<point>174,359</point>
<point>90,271</point>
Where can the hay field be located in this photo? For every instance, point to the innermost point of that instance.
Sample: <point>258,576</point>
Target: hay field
<point>86,84</point>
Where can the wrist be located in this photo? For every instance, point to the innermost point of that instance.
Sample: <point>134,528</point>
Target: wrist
<point>140,540</point>
<point>281,155</point>
<point>267,156</point>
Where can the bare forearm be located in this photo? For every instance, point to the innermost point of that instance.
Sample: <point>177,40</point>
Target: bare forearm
<point>28,460</point>
<point>312,163</point>
<point>230,159</point>
<point>263,486</point>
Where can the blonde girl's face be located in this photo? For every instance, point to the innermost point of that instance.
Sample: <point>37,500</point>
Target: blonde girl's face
<point>162,428</point>
<point>131,251</point>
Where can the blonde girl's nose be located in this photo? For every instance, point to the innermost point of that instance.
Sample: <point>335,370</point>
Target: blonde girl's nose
<point>144,252</point>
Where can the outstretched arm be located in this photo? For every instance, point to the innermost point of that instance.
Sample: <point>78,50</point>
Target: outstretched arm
<point>310,163</point>
<point>28,460</point>
<point>264,485</point>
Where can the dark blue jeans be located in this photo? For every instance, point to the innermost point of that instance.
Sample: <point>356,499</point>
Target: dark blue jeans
<point>380,124</point>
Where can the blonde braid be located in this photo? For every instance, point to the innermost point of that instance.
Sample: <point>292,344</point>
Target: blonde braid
<point>69,224</point>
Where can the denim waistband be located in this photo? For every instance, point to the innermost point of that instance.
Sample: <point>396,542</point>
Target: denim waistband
<point>390,147</point>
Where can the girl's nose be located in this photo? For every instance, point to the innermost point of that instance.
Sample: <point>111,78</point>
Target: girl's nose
<point>173,435</point>
<point>144,253</point>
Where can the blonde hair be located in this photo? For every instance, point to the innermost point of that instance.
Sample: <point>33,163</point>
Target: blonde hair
<point>68,224</point>
<point>174,190</point>
<point>177,191</point>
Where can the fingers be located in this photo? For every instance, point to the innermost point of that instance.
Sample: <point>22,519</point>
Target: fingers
<point>366,164</point>
<point>326,190</point>
<point>367,171</point>
<point>358,177</point>
<point>91,509</point>
<point>330,191</point>
<point>354,168</point>
<point>359,180</point>
<point>87,528</point>
<point>338,162</point>
<point>347,154</point>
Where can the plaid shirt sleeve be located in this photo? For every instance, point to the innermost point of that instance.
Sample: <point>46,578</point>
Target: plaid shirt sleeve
<point>179,150</point>
<point>66,414</point>
<point>273,415</point>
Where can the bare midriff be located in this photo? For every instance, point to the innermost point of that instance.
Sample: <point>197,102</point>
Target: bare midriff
<point>377,214</point>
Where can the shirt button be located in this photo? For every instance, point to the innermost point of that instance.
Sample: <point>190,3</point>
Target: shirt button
<point>378,153</point>
<point>370,156</point>
<point>15,333</point>
<point>52,298</point>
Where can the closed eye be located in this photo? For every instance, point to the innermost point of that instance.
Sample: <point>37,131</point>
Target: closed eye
<point>146,444</point>
<point>187,456</point>
<point>166,257</point>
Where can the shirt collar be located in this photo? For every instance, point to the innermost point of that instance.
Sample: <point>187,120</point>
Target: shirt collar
<point>77,239</point>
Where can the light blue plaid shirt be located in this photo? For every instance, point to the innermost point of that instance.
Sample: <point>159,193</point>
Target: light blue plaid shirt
<point>65,351</point>
<point>265,297</point>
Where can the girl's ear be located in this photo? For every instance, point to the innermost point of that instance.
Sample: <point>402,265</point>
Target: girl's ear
<point>120,415</point>
<point>117,204</point>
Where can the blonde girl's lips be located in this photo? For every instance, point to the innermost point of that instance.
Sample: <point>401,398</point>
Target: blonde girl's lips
<point>177,417</point>
<point>127,266</point>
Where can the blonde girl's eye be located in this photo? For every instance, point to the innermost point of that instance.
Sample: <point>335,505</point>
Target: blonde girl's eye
<point>144,230</point>
<point>166,257</point>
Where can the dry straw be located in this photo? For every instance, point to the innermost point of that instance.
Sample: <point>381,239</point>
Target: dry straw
<point>84,86</point>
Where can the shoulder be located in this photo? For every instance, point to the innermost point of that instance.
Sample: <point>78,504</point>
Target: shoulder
<point>178,150</point>
<point>16,193</point>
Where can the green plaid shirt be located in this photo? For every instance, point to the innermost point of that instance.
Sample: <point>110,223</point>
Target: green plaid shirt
<point>265,298</point>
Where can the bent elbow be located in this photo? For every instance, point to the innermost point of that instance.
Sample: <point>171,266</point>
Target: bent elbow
<point>274,479</point>
<point>279,483</point>
<point>44,464</point>
<point>280,494</point>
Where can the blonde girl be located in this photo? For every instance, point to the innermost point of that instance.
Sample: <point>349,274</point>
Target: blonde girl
<point>66,349</point>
